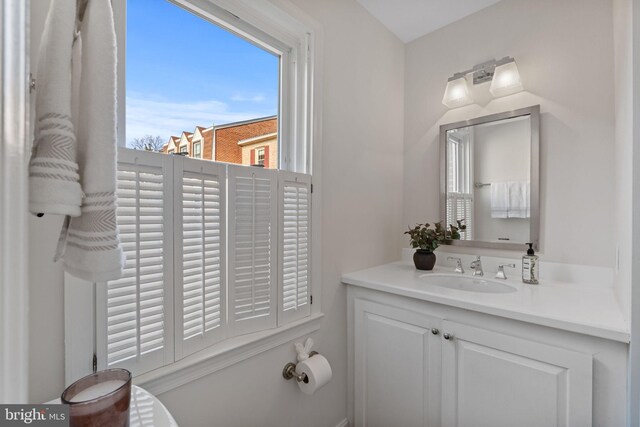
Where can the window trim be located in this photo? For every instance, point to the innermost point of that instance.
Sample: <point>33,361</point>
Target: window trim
<point>260,150</point>
<point>14,231</point>
<point>227,353</point>
<point>199,154</point>
<point>285,21</point>
<point>265,27</point>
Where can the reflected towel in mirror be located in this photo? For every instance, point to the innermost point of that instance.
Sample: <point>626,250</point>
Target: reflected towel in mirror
<point>510,199</point>
<point>519,206</point>
<point>499,200</point>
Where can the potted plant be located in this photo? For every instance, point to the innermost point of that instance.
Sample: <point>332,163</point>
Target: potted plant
<point>426,238</point>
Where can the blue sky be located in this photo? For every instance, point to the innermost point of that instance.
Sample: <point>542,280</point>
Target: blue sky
<point>183,71</point>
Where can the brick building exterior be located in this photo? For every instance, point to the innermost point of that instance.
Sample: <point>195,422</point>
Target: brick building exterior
<point>250,142</point>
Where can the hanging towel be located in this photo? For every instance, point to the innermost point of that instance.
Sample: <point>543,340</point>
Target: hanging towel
<point>519,206</point>
<point>54,186</point>
<point>93,251</point>
<point>499,200</point>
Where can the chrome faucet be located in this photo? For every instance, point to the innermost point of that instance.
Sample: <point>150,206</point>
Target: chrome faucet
<point>476,266</point>
<point>500,274</point>
<point>459,268</point>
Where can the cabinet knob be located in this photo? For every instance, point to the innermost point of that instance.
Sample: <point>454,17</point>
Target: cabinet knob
<point>447,336</point>
<point>435,331</point>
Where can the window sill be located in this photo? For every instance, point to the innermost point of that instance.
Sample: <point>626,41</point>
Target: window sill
<point>224,354</point>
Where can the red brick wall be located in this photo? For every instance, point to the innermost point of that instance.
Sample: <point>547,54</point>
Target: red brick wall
<point>227,148</point>
<point>207,145</point>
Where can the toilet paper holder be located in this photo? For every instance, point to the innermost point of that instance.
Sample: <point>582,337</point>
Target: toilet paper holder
<point>289,371</point>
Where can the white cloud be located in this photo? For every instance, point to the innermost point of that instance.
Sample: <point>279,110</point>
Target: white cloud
<point>243,98</point>
<point>154,116</point>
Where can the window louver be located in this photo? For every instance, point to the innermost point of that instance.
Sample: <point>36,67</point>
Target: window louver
<point>295,232</point>
<point>200,254</point>
<point>252,243</point>
<point>137,310</point>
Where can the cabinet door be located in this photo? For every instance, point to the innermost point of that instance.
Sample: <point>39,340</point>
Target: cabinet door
<point>397,367</point>
<point>495,380</point>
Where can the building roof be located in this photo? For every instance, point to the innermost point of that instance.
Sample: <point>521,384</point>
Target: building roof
<point>246,122</point>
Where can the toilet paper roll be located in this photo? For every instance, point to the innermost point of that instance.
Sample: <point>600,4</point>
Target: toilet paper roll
<point>318,372</point>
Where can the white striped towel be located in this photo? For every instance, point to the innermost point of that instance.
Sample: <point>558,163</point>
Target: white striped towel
<point>54,186</point>
<point>93,251</point>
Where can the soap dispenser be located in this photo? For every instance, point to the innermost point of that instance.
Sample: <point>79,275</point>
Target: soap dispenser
<point>530,266</point>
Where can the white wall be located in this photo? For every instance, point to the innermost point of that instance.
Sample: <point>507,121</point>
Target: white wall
<point>565,57</point>
<point>627,94</point>
<point>363,91</point>
<point>623,148</point>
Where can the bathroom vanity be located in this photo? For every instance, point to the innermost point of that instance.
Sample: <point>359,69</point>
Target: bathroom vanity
<point>442,349</point>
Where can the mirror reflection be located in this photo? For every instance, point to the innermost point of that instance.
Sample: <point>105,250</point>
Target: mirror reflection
<point>488,179</point>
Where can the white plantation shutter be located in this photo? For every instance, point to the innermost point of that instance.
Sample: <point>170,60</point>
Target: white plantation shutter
<point>199,205</point>
<point>252,237</point>
<point>459,180</point>
<point>460,206</point>
<point>295,232</point>
<point>135,313</point>
<point>213,250</point>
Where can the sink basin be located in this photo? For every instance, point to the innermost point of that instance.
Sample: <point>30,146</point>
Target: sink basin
<point>467,283</point>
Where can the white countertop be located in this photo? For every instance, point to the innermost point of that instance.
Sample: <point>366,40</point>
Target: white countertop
<point>572,307</point>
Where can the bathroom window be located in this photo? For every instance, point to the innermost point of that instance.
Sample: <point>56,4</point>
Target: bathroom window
<point>459,180</point>
<point>223,85</point>
<point>214,250</point>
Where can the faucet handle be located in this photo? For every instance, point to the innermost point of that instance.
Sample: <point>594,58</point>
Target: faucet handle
<point>476,266</point>
<point>500,274</point>
<point>459,268</point>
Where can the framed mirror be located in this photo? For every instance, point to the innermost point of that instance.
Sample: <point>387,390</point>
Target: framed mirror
<point>490,179</point>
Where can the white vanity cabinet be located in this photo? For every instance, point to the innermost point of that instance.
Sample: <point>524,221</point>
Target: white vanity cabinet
<point>491,379</point>
<point>397,369</point>
<point>491,371</point>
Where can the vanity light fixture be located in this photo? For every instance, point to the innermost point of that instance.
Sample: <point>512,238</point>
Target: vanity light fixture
<point>457,92</point>
<point>506,78</point>
<point>503,75</point>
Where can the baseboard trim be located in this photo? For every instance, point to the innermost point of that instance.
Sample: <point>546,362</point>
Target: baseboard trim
<point>343,423</point>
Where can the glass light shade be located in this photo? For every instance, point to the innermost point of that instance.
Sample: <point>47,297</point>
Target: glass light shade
<point>506,80</point>
<point>457,93</point>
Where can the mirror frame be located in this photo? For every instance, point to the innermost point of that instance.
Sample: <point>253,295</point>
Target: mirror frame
<point>534,224</point>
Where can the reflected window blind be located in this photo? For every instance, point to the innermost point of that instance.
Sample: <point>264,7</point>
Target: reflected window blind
<point>460,206</point>
<point>135,312</point>
<point>295,222</point>
<point>200,252</point>
<point>459,177</point>
<point>252,234</point>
